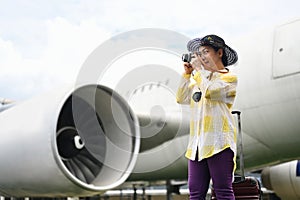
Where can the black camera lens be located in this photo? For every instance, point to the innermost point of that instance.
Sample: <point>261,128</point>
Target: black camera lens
<point>187,57</point>
<point>197,96</point>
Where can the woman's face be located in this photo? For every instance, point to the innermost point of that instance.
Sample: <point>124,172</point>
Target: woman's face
<point>209,57</point>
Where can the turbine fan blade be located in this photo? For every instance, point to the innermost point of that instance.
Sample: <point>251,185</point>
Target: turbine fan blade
<point>86,172</point>
<point>93,164</point>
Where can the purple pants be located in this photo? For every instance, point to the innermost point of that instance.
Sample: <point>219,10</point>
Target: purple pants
<point>219,168</point>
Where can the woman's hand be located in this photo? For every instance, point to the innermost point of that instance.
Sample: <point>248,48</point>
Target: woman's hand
<point>188,68</point>
<point>196,64</point>
<point>209,66</point>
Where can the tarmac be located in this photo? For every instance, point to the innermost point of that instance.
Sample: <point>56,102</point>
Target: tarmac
<point>161,194</point>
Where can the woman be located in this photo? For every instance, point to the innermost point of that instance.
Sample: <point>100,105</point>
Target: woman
<point>210,92</point>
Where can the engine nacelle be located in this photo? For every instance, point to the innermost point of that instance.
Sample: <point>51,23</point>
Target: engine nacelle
<point>72,142</point>
<point>283,179</point>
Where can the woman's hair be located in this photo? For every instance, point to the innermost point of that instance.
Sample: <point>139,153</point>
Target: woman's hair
<point>224,58</point>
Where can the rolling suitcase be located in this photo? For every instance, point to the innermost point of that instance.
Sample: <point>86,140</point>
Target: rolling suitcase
<point>246,188</point>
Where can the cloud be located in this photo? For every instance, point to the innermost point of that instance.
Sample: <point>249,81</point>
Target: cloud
<point>45,43</point>
<point>67,47</point>
<point>69,44</point>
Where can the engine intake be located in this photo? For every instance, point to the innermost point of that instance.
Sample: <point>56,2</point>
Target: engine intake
<point>283,179</point>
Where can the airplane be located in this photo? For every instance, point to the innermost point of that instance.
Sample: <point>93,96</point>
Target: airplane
<point>83,140</point>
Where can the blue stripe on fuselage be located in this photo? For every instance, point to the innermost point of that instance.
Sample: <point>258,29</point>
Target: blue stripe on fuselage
<point>298,168</point>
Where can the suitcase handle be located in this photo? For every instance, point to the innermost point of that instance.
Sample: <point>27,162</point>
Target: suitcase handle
<point>236,112</point>
<point>240,143</point>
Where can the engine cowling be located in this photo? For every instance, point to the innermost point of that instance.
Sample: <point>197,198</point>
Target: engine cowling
<point>283,179</point>
<point>71,142</point>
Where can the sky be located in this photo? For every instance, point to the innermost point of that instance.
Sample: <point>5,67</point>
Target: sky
<point>43,44</point>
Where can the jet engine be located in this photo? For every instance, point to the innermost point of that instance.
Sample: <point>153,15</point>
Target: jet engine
<point>71,142</point>
<point>283,179</point>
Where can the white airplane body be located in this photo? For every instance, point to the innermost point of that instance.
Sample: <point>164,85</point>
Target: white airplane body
<point>269,80</point>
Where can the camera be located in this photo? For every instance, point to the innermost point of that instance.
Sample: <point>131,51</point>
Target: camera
<point>187,57</point>
<point>197,96</point>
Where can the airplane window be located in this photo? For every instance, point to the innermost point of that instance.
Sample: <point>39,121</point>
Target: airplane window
<point>150,87</point>
<point>167,81</point>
